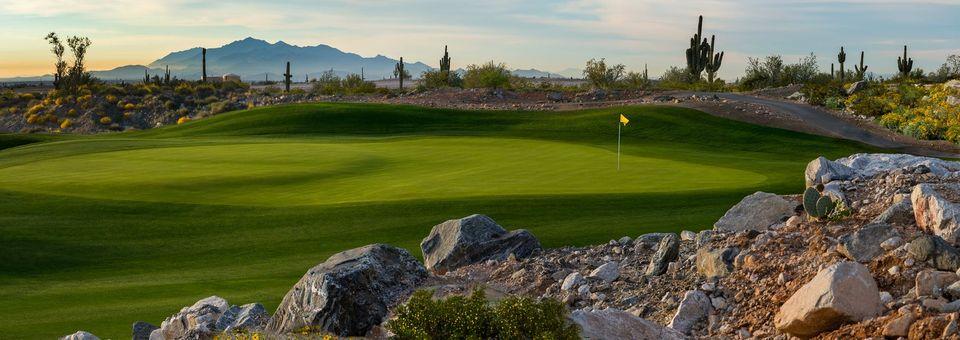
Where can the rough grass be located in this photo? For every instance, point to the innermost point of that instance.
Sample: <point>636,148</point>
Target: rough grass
<point>99,232</point>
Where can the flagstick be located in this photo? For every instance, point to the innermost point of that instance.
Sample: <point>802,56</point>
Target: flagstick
<point>618,146</point>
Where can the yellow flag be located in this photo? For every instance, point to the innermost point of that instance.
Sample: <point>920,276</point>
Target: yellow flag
<point>624,119</point>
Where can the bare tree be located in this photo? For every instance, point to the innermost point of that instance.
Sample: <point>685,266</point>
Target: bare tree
<point>61,65</point>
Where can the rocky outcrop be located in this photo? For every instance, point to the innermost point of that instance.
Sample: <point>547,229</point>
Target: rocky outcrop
<point>350,292</point>
<point>841,293</point>
<point>196,321</point>
<point>935,213</point>
<point>901,213</point>
<point>864,244</point>
<point>475,238</point>
<point>615,324</point>
<point>142,330</point>
<point>80,335</point>
<point>823,171</point>
<point>667,251</point>
<point>857,87</point>
<point>755,212</point>
<point>871,164</point>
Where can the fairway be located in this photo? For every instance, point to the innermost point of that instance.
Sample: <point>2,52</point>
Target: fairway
<point>97,232</point>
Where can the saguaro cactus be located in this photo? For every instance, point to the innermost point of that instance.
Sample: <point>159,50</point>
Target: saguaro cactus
<point>286,78</point>
<point>399,72</point>
<point>445,61</point>
<point>861,69</point>
<point>841,57</point>
<point>700,55</point>
<point>833,74</point>
<point>166,75</point>
<point>146,77</point>
<point>905,65</point>
<point>203,53</point>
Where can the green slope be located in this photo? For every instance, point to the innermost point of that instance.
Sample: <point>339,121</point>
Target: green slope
<point>99,232</point>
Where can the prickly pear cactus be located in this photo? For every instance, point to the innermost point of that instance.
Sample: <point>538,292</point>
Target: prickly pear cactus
<point>810,197</point>
<point>825,206</point>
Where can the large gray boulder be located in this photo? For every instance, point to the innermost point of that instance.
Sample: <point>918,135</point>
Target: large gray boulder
<point>864,244</point>
<point>196,321</point>
<point>857,87</point>
<point>80,335</point>
<point>472,239</point>
<point>755,212</point>
<point>900,213</point>
<point>932,248</point>
<point>843,292</point>
<point>247,318</point>
<point>668,251</point>
<point>712,263</point>
<point>350,292</point>
<point>870,164</point>
<point>823,171</point>
<point>934,212</point>
<point>614,324</point>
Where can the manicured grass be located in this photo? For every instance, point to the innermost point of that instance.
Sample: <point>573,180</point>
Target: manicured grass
<point>99,232</point>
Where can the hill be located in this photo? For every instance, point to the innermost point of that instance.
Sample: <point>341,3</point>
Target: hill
<point>100,231</point>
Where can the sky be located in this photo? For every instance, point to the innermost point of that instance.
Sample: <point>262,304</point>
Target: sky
<point>546,35</point>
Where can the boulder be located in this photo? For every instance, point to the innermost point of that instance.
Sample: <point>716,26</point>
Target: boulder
<point>472,239</point>
<point>687,235</point>
<point>900,325</point>
<point>249,317</point>
<point>80,335</point>
<point>823,171</point>
<point>934,212</point>
<point>857,87</point>
<point>198,320</point>
<point>796,96</point>
<point>934,283</point>
<point>934,249</point>
<point>871,164</point>
<point>667,251</point>
<point>694,308</point>
<point>900,213</point>
<point>650,240</point>
<point>608,272</point>
<point>572,281</point>
<point>841,293</point>
<point>755,212</point>
<point>142,330</point>
<point>715,262</point>
<point>350,292</point>
<point>614,324</point>
<point>864,244</point>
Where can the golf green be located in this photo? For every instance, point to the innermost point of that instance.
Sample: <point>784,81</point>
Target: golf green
<point>97,232</point>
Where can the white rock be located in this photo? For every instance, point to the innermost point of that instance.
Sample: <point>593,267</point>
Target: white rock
<point>868,165</point>
<point>718,302</point>
<point>687,235</point>
<point>885,297</point>
<point>608,272</point>
<point>80,335</point>
<point>571,281</point>
<point>615,324</point>
<point>935,213</point>
<point>823,171</point>
<point>694,308</point>
<point>892,243</point>
<point>842,292</point>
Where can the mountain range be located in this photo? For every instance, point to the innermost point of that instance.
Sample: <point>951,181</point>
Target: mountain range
<point>255,59</point>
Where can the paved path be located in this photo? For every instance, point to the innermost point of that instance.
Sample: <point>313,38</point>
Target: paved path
<point>833,126</point>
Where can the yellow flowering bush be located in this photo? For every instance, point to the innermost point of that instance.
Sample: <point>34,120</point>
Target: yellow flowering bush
<point>931,117</point>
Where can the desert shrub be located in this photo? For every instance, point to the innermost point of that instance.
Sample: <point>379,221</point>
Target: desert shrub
<point>328,83</point>
<point>488,75</point>
<point>182,120</point>
<point>183,89</point>
<point>129,106</point>
<point>66,123</point>
<point>472,317</point>
<point>771,71</point>
<point>32,119</point>
<point>600,75</point>
<point>435,79</point>
<point>874,101</point>
<point>822,88</point>
<point>220,107</point>
<point>354,84</point>
<point>105,120</point>
<point>636,81</point>
<point>205,90</point>
<point>675,78</point>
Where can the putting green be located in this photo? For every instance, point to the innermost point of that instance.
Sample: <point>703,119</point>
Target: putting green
<point>278,174</point>
<point>97,232</point>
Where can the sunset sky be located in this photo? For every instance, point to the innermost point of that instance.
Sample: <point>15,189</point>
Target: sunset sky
<point>547,35</point>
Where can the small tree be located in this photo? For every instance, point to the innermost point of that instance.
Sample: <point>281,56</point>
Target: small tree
<point>600,76</point>
<point>60,65</point>
<point>78,46</point>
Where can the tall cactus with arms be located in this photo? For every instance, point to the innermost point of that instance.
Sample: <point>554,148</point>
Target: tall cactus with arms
<point>905,65</point>
<point>842,57</point>
<point>700,55</point>
<point>286,78</point>
<point>861,69</point>
<point>400,72</point>
<point>445,61</point>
